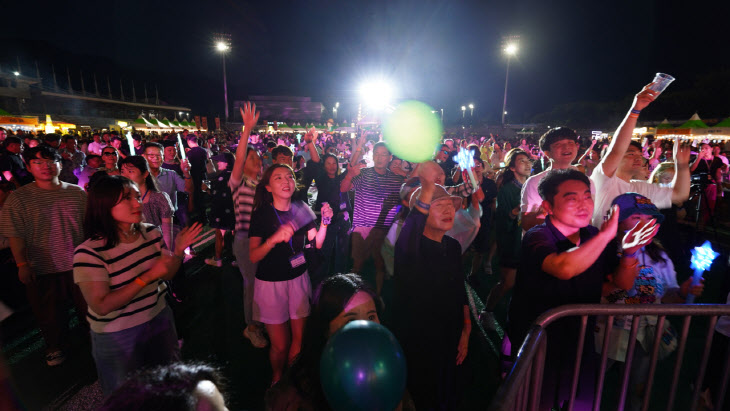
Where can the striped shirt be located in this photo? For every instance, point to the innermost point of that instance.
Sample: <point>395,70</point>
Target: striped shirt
<point>50,222</point>
<point>377,198</point>
<point>119,266</point>
<point>243,192</point>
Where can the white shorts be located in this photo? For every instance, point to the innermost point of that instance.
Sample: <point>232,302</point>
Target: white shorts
<point>275,302</point>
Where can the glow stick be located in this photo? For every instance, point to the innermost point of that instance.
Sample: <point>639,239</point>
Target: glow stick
<point>702,258</point>
<point>182,148</point>
<point>465,159</point>
<point>130,141</point>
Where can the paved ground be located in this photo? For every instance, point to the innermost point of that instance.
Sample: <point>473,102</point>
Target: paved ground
<point>210,321</point>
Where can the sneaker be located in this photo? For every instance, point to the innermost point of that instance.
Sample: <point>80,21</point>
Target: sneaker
<point>488,321</point>
<point>215,263</point>
<point>55,358</point>
<point>256,337</point>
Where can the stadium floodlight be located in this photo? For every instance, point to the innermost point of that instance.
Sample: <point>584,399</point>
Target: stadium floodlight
<point>376,94</point>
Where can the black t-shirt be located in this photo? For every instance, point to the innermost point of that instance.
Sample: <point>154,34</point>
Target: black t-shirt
<point>328,190</point>
<point>276,266</point>
<point>197,157</point>
<point>489,188</point>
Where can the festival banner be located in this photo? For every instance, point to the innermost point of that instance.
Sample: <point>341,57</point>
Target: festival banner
<point>197,121</point>
<point>205,123</point>
<point>217,123</point>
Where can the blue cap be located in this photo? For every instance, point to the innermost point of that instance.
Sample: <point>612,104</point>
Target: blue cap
<point>634,203</point>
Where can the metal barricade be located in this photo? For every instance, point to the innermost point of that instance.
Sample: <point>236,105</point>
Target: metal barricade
<point>521,389</point>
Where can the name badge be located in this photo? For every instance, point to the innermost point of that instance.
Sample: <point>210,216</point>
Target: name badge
<point>343,206</point>
<point>297,260</point>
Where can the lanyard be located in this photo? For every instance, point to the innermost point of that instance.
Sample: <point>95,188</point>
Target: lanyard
<point>145,193</point>
<point>280,224</point>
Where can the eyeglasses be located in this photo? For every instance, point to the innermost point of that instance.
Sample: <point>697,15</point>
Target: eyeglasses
<point>44,163</point>
<point>109,153</point>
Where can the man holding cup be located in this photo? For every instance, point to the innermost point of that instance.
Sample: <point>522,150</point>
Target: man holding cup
<point>613,175</point>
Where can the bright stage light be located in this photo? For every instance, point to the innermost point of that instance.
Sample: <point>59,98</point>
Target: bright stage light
<point>221,46</point>
<point>16,73</point>
<point>377,94</point>
<point>511,49</point>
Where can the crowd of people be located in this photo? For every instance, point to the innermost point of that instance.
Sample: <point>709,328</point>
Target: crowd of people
<point>104,227</point>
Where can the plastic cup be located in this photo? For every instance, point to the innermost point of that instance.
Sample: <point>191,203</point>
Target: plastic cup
<point>661,82</point>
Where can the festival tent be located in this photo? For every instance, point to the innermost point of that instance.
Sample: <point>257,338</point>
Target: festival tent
<point>694,122</point>
<point>664,124</point>
<point>25,123</point>
<point>723,124</point>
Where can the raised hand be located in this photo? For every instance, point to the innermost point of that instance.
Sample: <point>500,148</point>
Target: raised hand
<point>429,173</point>
<point>250,115</point>
<point>186,237</point>
<point>354,169</point>
<point>283,234</point>
<point>682,152</point>
<point>644,97</point>
<point>639,236</point>
<point>326,211</point>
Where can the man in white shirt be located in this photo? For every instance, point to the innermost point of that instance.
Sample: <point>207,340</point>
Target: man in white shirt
<point>613,174</point>
<point>560,146</point>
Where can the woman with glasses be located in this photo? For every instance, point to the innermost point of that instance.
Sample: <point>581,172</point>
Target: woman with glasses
<point>110,157</point>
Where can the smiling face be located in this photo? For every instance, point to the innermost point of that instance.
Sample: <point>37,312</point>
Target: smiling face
<point>441,215</point>
<point>154,157</point>
<point>281,184</point>
<point>562,153</point>
<point>522,167</point>
<point>360,307</point>
<point>572,205</point>
<point>128,209</point>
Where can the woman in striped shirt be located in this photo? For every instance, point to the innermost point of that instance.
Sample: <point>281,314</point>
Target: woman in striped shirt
<point>120,269</point>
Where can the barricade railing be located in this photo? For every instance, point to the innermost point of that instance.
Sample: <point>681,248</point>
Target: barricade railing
<point>521,389</point>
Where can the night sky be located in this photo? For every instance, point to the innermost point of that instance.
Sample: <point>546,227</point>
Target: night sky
<point>446,53</point>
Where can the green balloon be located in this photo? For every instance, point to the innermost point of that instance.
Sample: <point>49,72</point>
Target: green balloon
<point>413,132</point>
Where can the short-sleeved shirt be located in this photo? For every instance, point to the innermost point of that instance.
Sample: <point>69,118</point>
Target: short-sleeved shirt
<point>243,191</point>
<point>170,182</point>
<point>608,188</point>
<point>221,208</point>
<point>119,266</point>
<point>377,198</point>
<point>536,291</point>
<point>49,221</point>
<point>275,266</point>
<point>14,164</point>
<point>158,207</point>
<point>530,198</point>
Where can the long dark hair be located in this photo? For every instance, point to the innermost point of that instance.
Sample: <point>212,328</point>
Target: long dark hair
<point>330,300</point>
<point>332,156</point>
<point>104,194</point>
<point>262,196</point>
<point>141,164</point>
<point>511,161</point>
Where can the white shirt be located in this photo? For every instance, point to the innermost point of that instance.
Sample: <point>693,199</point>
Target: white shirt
<point>530,199</point>
<point>608,188</point>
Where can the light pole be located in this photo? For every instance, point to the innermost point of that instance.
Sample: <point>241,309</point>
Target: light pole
<point>471,110</point>
<point>463,111</point>
<point>510,50</point>
<point>223,45</point>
